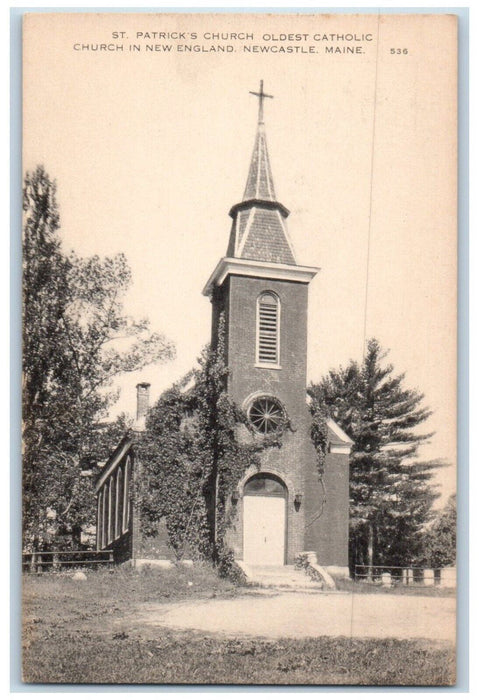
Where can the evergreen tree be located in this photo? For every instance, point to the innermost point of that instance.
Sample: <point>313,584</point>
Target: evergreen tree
<point>390,491</point>
<point>440,537</point>
<point>76,340</point>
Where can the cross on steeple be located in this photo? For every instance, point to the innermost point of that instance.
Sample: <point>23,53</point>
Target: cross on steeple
<point>261,95</point>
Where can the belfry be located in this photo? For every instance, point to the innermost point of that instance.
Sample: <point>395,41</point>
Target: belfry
<point>261,292</point>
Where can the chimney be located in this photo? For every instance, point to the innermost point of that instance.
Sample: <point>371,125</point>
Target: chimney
<point>142,401</point>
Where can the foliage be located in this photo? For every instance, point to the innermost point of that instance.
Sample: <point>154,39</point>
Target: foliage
<point>76,340</point>
<point>319,434</point>
<point>192,459</point>
<point>172,475</point>
<point>229,569</point>
<point>440,537</point>
<point>390,493</point>
<point>302,562</point>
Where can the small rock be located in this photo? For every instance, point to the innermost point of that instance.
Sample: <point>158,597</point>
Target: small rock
<point>190,583</point>
<point>120,635</point>
<point>79,576</point>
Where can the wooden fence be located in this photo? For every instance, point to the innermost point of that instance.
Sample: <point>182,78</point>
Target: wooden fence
<point>413,576</point>
<point>41,562</point>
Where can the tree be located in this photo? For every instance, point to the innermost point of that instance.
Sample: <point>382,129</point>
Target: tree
<point>76,340</point>
<point>390,493</point>
<point>440,537</point>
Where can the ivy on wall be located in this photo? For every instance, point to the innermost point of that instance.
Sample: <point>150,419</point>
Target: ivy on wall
<point>192,458</point>
<point>319,434</point>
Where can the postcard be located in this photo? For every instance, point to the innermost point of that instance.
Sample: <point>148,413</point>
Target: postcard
<point>239,348</point>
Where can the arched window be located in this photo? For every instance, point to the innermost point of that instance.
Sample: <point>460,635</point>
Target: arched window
<point>119,503</point>
<point>111,511</point>
<point>267,329</point>
<point>265,485</point>
<point>104,518</point>
<point>98,520</point>
<point>126,495</point>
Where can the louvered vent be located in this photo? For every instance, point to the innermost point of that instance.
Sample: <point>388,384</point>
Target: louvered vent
<point>268,329</point>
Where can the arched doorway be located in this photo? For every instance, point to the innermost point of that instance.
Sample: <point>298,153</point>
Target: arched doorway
<point>264,520</point>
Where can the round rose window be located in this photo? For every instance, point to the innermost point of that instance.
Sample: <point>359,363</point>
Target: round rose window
<point>266,415</point>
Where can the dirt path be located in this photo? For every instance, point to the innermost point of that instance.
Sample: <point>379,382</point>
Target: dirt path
<point>307,615</point>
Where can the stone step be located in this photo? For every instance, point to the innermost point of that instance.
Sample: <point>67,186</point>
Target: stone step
<point>291,585</point>
<point>283,577</point>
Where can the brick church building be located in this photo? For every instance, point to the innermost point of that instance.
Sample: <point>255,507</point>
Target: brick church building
<point>261,291</point>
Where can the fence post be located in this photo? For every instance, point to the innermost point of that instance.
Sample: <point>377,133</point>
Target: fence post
<point>428,577</point>
<point>386,579</point>
<point>110,560</point>
<point>418,576</point>
<point>33,561</point>
<point>39,564</point>
<point>55,562</point>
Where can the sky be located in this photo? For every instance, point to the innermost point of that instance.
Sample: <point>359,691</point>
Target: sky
<point>150,149</point>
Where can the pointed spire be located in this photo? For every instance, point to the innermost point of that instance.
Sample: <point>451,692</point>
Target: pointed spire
<point>260,179</point>
<point>259,221</point>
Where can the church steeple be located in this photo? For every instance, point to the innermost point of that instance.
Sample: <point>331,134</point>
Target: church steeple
<point>259,221</point>
<point>259,244</point>
<point>260,179</point>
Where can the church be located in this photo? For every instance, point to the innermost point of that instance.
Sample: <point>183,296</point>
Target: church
<point>286,507</point>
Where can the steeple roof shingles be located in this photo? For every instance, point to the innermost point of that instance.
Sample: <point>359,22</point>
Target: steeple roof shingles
<point>266,240</point>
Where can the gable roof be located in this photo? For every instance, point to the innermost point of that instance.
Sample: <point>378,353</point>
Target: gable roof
<point>116,456</point>
<point>336,434</point>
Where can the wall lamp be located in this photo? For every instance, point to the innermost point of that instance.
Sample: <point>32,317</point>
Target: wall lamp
<point>298,500</point>
<point>235,497</point>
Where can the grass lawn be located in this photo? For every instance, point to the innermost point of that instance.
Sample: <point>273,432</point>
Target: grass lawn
<point>69,637</point>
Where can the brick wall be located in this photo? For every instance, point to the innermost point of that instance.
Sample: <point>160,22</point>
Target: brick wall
<point>122,548</point>
<point>289,383</point>
<point>327,533</point>
<point>296,461</point>
<point>154,547</point>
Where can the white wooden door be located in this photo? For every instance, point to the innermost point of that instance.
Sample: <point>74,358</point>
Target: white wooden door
<point>263,530</point>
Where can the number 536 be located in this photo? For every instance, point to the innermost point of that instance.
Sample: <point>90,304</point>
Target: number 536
<point>398,51</point>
